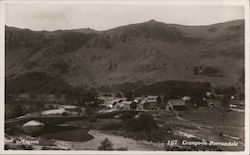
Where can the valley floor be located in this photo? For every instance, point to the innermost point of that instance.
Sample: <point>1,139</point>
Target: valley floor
<point>202,124</point>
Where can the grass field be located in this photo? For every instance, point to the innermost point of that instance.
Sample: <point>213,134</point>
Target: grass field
<point>208,116</point>
<point>213,116</point>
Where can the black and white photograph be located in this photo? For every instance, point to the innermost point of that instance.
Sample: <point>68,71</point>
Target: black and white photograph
<point>125,76</point>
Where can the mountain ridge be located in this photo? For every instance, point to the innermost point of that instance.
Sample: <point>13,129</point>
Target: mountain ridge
<point>150,51</point>
<point>148,21</point>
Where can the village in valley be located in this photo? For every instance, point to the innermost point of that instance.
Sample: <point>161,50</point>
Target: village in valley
<point>154,102</point>
<point>112,114</point>
<point>114,76</point>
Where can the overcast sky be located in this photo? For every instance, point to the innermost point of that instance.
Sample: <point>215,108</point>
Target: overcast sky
<point>54,16</point>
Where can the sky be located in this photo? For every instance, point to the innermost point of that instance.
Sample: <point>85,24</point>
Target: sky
<point>103,16</point>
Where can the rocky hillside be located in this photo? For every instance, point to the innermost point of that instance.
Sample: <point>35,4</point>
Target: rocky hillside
<point>151,52</point>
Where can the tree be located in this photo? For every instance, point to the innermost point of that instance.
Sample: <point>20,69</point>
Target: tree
<point>119,95</point>
<point>88,111</point>
<point>92,93</point>
<point>226,90</point>
<point>65,114</point>
<point>18,110</point>
<point>145,122</point>
<point>129,95</point>
<point>106,145</point>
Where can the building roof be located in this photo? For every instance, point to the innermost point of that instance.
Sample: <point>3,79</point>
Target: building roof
<point>177,102</point>
<point>185,98</point>
<point>138,98</point>
<point>127,102</point>
<point>111,101</point>
<point>53,111</point>
<point>143,101</point>
<point>67,106</point>
<point>152,98</point>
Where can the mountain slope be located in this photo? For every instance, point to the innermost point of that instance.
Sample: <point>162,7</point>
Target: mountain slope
<point>151,51</point>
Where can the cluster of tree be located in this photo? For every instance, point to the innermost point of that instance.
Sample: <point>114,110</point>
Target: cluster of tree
<point>42,83</point>
<point>225,90</point>
<point>129,86</point>
<point>15,108</point>
<point>171,89</point>
<point>82,94</point>
<point>107,145</point>
<point>36,82</point>
<point>145,122</point>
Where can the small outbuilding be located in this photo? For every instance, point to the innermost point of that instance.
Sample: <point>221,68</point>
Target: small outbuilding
<point>153,102</point>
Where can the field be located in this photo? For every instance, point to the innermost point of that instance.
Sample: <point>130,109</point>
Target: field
<point>213,116</point>
<point>207,123</point>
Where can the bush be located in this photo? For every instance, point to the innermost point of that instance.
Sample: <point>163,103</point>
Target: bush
<point>65,114</point>
<point>89,111</point>
<point>145,122</point>
<point>111,126</point>
<point>106,145</point>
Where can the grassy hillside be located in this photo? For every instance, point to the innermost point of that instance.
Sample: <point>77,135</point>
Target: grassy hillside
<point>150,52</point>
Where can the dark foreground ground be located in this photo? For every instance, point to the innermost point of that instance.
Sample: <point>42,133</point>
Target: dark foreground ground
<point>200,124</point>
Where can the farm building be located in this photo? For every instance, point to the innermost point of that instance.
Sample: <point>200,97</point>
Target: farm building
<point>186,98</point>
<point>128,105</point>
<point>148,103</point>
<point>138,99</point>
<point>109,102</point>
<point>125,105</point>
<point>175,104</point>
<point>153,102</point>
<point>118,105</point>
<point>169,106</point>
<point>142,105</point>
